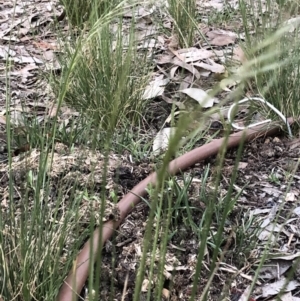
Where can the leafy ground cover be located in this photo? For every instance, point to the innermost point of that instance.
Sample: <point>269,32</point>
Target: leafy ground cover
<point>90,96</point>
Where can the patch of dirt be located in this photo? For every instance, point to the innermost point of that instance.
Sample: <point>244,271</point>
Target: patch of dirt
<point>74,180</point>
<point>268,177</point>
<point>260,160</point>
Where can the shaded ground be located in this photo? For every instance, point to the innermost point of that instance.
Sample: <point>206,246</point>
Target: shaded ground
<point>268,176</point>
<point>264,174</point>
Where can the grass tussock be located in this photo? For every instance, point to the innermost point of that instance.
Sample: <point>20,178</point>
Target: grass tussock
<point>183,13</point>
<point>81,13</point>
<point>274,55</point>
<point>107,80</point>
<point>104,74</point>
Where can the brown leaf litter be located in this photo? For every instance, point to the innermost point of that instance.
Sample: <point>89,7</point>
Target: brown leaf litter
<point>268,182</point>
<point>75,178</point>
<point>259,161</point>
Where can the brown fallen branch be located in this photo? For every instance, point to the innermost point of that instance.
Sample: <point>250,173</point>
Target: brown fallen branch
<point>77,277</point>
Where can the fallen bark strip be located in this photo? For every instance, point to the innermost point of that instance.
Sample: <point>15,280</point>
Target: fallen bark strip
<point>76,279</point>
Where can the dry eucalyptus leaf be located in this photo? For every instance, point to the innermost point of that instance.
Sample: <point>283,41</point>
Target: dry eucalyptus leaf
<point>275,288</point>
<point>161,141</point>
<point>222,41</point>
<point>200,96</point>
<point>213,67</point>
<point>194,54</point>
<point>288,297</point>
<point>238,54</point>
<point>2,119</point>
<point>190,68</point>
<point>297,211</point>
<point>220,32</point>
<point>220,37</point>
<point>274,269</point>
<point>155,88</point>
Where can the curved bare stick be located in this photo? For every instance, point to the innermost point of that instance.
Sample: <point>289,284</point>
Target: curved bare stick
<point>78,278</point>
